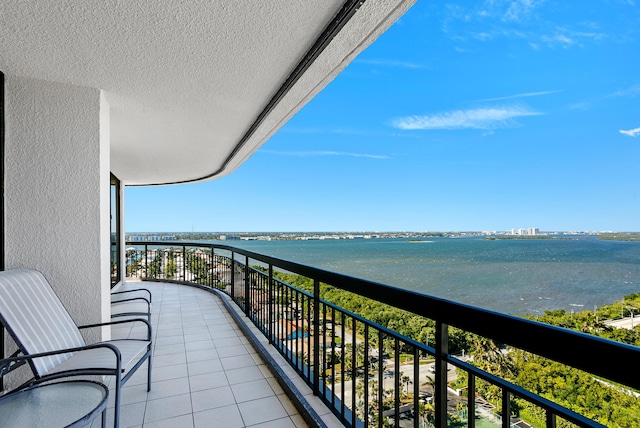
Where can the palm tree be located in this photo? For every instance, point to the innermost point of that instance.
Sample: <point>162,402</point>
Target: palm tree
<point>359,350</point>
<point>427,414</point>
<point>373,366</point>
<point>407,381</point>
<point>430,382</point>
<point>489,356</point>
<point>348,353</point>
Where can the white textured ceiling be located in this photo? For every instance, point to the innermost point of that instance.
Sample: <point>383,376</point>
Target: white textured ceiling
<point>185,79</point>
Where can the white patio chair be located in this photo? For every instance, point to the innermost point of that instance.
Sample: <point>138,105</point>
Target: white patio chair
<point>132,303</point>
<point>43,329</point>
<point>131,293</point>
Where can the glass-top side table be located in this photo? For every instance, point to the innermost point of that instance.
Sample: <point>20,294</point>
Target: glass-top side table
<point>62,404</point>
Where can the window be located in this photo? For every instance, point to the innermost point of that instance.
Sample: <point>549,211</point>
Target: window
<point>115,231</point>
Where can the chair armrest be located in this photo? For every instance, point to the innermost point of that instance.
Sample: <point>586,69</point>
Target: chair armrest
<point>133,299</point>
<point>6,365</point>
<point>119,294</point>
<point>63,351</point>
<point>9,364</point>
<point>102,324</point>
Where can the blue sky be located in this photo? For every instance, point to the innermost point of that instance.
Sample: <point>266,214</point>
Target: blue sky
<point>463,116</point>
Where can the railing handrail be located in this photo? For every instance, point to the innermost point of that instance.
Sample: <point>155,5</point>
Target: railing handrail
<point>565,346</point>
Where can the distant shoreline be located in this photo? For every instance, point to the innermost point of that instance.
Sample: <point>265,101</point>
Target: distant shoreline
<point>631,236</point>
<point>410,236</point>
<point>628,237</point>
<point>505,237</point>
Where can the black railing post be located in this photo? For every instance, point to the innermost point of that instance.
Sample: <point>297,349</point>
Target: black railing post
<point>184,262</point>
<point>324,351</point>
<point>365,412</point>
<point>471,401</point>
<point>440,392</point>
<point>270,304</point>
<point>246,286</point>
<point>380,376</point>
<point>316,337</point>
<point>396,381</point>
<point>506,409</point>
<point>232,268</point>
<point>212,262</point>
<point>296,330</point>
<point>342,359</point>
<point>146,261</point>
<point>354,372</point>
<point>416,387</point>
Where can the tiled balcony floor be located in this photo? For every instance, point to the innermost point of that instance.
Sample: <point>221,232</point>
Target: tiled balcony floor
<point>205,372</point>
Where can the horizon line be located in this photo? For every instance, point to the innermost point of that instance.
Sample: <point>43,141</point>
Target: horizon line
<point>383,231</point>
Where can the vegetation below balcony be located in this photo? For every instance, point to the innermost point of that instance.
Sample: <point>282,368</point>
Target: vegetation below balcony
<point>609,404</point>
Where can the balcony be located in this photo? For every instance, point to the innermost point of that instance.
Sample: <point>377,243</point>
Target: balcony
<point>205,369</point>
<point>120,101</point>
<point>350,353</point>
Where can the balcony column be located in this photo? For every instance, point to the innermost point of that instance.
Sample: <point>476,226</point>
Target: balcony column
<point>57,192</point>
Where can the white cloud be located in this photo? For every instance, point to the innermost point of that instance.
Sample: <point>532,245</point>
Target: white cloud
<point>482,118</point>
<point>328,131</point>
<point>628,92</point>
<point>558,39</point>
<point>581,105</point>
<point>525,20</point>
<point>631,132</point>
<point>345,131</point>
<point>522,95</point>
<point>390,63</point>
<point>326,153</point>
<point>567,37</point>
<point>482,36</point>
<point>519,9</point>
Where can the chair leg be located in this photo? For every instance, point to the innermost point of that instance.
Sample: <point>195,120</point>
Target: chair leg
<point>116,407</point>
<point>149,374</point>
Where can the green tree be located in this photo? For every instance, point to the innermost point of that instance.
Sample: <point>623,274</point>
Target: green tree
<point>406,380</point>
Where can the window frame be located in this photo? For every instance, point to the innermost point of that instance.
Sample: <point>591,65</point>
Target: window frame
<point>115,228</point>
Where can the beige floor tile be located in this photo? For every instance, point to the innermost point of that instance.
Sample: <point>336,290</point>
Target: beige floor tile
<point>232,351</point>
<point>252,390</point>
<point>169,407</point>
<point>262,410</point>
<point>169,372</point>
<point>230,363</point>
<point>208,381</point>
<point>212,398</point>
<point>244,374</point>
<point>184,421</point>
<point>204,366</point>
<point>228,417</point>
<point>168,388</point>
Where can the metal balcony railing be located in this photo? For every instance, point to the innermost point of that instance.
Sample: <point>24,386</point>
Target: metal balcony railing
<point>372,376</point>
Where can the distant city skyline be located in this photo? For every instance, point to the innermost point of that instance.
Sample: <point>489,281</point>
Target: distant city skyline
<point>172,234</point>
<point>462,117</point>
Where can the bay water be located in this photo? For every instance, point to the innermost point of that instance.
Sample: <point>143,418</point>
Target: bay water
<point>513,276</point>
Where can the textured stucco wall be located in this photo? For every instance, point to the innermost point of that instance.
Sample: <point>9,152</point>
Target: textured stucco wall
<point>57,191</point>
<point>105,215</point>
